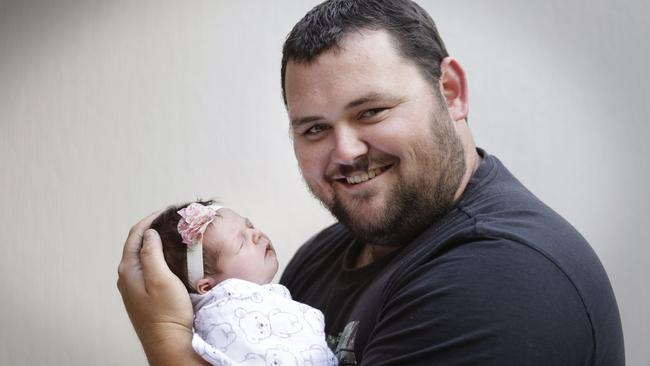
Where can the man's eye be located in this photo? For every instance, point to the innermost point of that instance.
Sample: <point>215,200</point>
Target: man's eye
<point>315,130</point>
<point>371,112</point>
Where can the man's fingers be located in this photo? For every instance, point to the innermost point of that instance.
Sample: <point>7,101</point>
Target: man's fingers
<point>133,242</point>
<point>129,270</point>
<point>154,267</point>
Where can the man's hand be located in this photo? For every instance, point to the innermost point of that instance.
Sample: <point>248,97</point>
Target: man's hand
<point>155,299</point>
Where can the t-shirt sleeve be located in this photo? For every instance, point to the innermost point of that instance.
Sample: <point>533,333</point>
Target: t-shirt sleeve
<point>486,303</point>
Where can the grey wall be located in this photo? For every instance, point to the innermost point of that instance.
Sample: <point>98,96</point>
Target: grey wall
<point>112,109</point>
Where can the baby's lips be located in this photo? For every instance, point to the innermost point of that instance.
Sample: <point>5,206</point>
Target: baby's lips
<point>269,246</point>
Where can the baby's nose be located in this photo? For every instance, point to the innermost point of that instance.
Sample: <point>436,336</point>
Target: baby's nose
<point>257,234</point>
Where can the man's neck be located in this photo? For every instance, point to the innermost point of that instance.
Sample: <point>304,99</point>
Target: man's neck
<point>371,253</point>
<point>472,157</point>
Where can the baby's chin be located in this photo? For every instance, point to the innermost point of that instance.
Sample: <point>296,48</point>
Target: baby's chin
<point>266,276</point>
<point>272,274</point>
<point>273,258</point>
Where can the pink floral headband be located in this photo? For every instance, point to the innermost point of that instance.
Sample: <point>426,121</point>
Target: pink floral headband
<point>195,219</point>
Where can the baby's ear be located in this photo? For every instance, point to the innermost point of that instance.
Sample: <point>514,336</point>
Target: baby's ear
<point>205,284</point>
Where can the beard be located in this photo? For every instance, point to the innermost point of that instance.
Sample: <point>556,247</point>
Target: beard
<point>416,200</point>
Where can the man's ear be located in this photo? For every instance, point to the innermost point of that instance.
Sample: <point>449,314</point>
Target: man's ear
<point>205,284</point>
<point>453,86</point>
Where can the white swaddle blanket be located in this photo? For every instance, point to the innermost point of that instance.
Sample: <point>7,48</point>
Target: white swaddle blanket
<point>242,323</point>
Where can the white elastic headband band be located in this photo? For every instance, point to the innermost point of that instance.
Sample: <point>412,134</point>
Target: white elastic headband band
<point>195,263</point>
<point>195,220</point>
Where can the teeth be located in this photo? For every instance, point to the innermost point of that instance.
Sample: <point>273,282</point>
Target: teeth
<point>364,176</point>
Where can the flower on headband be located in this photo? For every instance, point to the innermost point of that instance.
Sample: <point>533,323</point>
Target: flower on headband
<point>195,218</point>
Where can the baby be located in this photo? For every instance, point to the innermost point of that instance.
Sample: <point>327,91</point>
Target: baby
<point>240,318</point>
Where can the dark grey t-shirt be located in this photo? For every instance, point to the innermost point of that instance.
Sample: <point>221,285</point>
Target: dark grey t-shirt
<point>500,280</point>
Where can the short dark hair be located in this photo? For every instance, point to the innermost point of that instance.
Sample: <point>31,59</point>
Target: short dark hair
<point>324,27</point>
<point>175,252</point>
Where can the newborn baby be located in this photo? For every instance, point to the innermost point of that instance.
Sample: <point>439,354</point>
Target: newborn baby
<point>240,318</point>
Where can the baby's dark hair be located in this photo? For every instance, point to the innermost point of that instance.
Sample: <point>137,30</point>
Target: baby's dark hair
<point>175,251</point>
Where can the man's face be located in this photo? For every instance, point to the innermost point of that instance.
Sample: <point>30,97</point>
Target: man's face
<point>373,140</point>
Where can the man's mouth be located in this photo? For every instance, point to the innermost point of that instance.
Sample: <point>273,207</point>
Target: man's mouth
<point>366,176</point>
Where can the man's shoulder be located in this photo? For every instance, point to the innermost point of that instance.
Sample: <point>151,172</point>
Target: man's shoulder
<point>499,205</point>
<point>526,230</point>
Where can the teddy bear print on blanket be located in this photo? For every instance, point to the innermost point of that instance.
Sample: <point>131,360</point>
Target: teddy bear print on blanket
<point>242,323</point>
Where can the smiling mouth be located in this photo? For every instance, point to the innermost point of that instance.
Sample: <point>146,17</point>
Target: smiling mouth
<point>365,176</point>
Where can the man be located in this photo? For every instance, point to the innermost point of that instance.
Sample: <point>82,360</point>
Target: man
<point>440,256</point>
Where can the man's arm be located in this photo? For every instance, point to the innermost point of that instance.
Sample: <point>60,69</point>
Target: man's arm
<point>155,299</point>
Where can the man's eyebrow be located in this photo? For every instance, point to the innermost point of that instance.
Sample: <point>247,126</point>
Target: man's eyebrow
<point>295,122</point>
<point>370,97</point>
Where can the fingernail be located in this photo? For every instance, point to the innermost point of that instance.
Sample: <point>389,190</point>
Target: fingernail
<point>148,235</point>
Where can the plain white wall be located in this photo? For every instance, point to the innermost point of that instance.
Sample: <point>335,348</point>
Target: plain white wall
<point>112,109</point>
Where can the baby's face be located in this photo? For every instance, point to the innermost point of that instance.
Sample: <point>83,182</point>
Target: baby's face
<point>243,251</point>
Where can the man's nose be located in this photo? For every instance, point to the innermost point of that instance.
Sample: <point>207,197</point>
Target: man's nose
<point>348,145</point>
